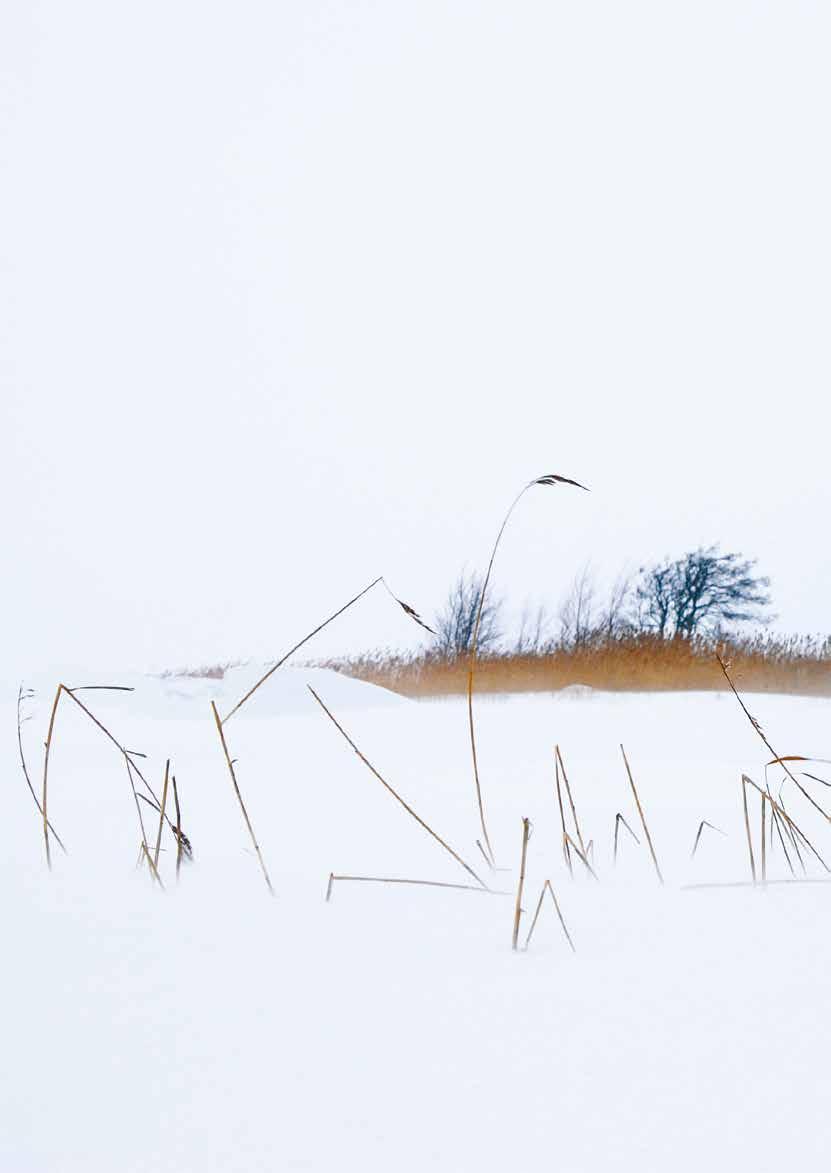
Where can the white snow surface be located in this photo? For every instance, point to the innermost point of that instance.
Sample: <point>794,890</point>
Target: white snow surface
<point>212,1027</point>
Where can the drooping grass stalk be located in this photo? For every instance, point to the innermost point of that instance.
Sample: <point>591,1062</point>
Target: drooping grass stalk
<point>642,816</point>
<point>547,885</point>
<point>571,801</point>
<point>618,820</point>
<point>551,479</point>
<point>394,792</point>
<point>701,827</point>
<point>419,883</point>
<point>161,813</point>
<point>21,696</point>
<point>247,820</point>
<point>526,833</point>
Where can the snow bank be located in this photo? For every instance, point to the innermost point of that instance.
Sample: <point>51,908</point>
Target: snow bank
<point>211,1027</point>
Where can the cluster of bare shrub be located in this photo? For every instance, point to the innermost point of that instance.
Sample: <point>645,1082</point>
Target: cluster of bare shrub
<point>657,629</point>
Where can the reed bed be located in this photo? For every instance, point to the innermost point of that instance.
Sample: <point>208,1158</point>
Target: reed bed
<point>640,663</point>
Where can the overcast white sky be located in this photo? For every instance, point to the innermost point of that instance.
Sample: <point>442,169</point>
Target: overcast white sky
<point>295,294</point>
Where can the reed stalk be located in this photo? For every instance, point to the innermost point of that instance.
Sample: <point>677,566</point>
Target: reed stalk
<point>394,792</point>
<point>526,832</point>
<point>642,816</point>
<point>547,885</point>
<point>247,820</point>
<point>550,479</point>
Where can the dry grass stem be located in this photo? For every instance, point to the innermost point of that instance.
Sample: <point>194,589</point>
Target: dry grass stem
<point>419,883</point>
<point>642,816</point>
<point>526,834</point>
<point>619,819</point>
<point>764,841</point>
<point>774,822</point>
<point>747,829</point>
<point>701,827</point>
<point>779,760</point>
<point>550,479</point>
<point>178,832</point>
<point>566,852</point>
<point>161,813</point>
<point>580,855</point>
<point>410,611</point>
<point>231,771</point>
<point>21,696</point>
<point>547,885</point>
<point>297,647</point>
<point>394,792</point>
<point>790,822</point>
<point>570,800</point>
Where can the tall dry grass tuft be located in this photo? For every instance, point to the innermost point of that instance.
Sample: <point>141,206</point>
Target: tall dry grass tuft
<point>636,662</point>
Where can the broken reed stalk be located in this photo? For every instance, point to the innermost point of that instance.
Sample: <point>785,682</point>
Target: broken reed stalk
<point>178,828</point>
<point>231,771</point>
<point>566,851</point>
<point>747,829</point>
<point>161,814</point>
<point>701,827</point>
<point>547,885</point>
<point>526,832</point>
<point>581,857</point>
<point>642,816</point>
<point>394,792</point>
<point>418,883</point>
<point>21,696</point>
<point>781,761</point>
<point>550,479</point>
<point>618,820</point>
<point>571,801</point>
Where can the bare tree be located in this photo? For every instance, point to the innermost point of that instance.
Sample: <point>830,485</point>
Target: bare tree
<point>615,620</point>
<point>534,635</point>
<point>456,622</point>
<point>578,613</point>
<point>700,593</point>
